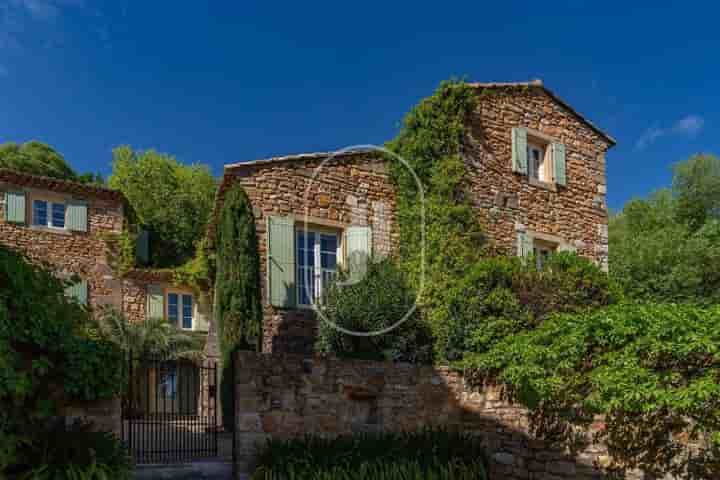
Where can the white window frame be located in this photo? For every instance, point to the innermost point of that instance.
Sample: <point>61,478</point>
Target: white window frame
<point>180,305</point>
<point>318,271</point>
<point>543,173</point>
<point>542,249</point>
<point>49,212</point>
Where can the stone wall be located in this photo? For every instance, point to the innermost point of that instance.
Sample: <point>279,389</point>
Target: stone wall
<point>349,190</point>
<point>285,395</point>
<point>507,202</point>
<point>68,252</point>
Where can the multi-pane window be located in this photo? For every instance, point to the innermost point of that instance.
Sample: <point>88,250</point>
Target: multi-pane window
<point>542,251</point>
<point>168,380</point>
<point>538,162</point>
<point>180,310</point>
<point>48,214</point>
<point>316,264</point>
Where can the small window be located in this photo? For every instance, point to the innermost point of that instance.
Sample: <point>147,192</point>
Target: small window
<point>180,310</point>
<point>48,214</point>
<point>542,251</point>
<point>316,264</point>
<point>539,160</point>
<point>168,380</point>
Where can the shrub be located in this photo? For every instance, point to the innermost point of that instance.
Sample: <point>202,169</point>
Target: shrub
<point>237,305</point>
<point>77,452</point>
<point>379,301</point>
<point>651,369</point>
<point>502,296</point>
<point>380,456</point>
<point>44,358</point>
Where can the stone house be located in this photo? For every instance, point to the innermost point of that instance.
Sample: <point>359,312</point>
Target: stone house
<point>535,171</point>
<point>66,226</point>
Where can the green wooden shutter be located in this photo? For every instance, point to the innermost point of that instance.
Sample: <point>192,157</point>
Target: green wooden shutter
<point>358,249</point>
<point>78,291</point>
<point>142,247</point>
<point>155,302</point>
<point>281,261</point>
<point>15,207</point>
<point>524,244</point>
<point>558,155</point>
<point>76,217</point>
<point>519,150</point>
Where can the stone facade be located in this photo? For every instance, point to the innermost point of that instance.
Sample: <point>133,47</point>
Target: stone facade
<point>507,202</point>
<point>285,395</point>
<point>69,253</point>
<point>350,189</point>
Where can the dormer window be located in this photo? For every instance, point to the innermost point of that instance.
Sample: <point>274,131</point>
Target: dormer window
<point>48,214</point>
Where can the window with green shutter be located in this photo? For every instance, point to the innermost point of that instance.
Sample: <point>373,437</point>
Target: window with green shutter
<point>155,302</point>
<point>78,291</point>
<point>558,158</point>
<point>77,219</point>
<point>281,262</point>
<point>519,150</point>
<point>15,207</point>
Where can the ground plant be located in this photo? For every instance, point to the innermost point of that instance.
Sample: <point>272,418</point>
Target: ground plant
<point>435,454</point>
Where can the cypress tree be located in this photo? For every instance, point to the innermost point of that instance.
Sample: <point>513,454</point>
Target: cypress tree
<point>238,308</point>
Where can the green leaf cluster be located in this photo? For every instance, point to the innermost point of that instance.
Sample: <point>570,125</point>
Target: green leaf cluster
<point>436,454</point>
<point>45,357</point>
<point>37,158</point>
<point>382,299</point>
<point>171,200</point>
<point>667,247</point>
<point>652,370</point>
<point>237,305</point>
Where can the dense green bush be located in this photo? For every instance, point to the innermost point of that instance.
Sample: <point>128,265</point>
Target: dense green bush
<point>382,456</point>
<point>237,305</point>
<point>502,296</point>
<point>380,300</point>
<point>77,452</point>
<point>653,370</point>
<point>45,359</point>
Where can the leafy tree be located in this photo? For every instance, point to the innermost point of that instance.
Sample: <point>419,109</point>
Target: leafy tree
<point>238,308</point>
<point>45,358</point>
<point>696,183</point>
<point>381,299</point>
<point>651,369</point>
<point>36,158</point>
<point>173,201</point>
<point>666,247</point>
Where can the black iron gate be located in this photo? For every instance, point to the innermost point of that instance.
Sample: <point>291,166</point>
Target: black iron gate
<point>169,411</point>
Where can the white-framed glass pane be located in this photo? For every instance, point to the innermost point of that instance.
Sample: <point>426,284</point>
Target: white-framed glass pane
<point>40,212</point>
<point>173,308</point>
<point>168,380</point>
<point>187,311</point>
<point>58,215</point>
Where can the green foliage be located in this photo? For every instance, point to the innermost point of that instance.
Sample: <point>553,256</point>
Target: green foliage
<point>76,452</point>
<point>38,158</point>
<point>122,246</point>
<point>651,369</point>
<point>173,201</point>
<point>382,456</point>
<point>654,256</point>
<point>45,359</point>
<point>198,271</point>
<point>696,183</point>
<point>503,296</point>
<point>381,299</point>
<point>431,142</point>
<point>237,304</point>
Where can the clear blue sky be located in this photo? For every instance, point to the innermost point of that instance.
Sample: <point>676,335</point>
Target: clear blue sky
<point>219,82</point>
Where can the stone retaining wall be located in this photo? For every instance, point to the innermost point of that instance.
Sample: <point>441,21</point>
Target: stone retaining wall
<point>287,395</point>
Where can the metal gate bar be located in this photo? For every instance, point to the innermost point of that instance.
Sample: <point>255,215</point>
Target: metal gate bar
<point>170,410</point>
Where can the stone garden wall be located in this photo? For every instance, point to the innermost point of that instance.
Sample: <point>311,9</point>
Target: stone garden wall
<point>286,395</point>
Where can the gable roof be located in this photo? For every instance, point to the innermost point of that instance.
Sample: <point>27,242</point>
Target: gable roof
<point>539,85</point>
<point>58,185</point>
